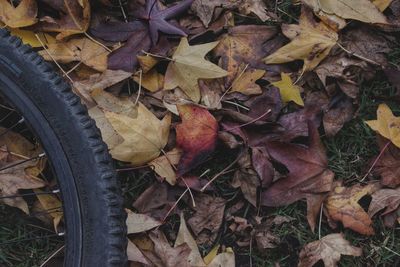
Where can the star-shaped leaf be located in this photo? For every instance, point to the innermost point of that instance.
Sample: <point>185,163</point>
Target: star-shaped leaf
<point>20,16</point>
<point>188,65</point>
<point>289,91</point>
<point>311,42</point>
<point>386,124</point>
<point>144,136</point>
<point>328,249</point>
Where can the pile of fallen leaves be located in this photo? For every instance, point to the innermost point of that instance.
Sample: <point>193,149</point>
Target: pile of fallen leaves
<point>174,85</point>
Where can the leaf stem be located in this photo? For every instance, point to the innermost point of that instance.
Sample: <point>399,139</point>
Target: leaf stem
<point>376,160</point>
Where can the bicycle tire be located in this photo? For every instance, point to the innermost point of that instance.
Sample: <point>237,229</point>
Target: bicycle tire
<point>92,201</point>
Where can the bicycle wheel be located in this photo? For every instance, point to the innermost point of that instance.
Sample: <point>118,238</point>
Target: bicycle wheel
<point>45,109</point>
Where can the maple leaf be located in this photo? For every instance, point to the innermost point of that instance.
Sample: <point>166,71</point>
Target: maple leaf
<point>386,124</point>
<point>328,249</point>
<point>388,164</point>
<point>342,205</point>
<point>144,136</point>
<point>151,80</point>
<point>384,199</point>
<point>163,165</point>
<point>188,66</point>
<point>362,10</point>
<point>73,17</point>
<point>308,172</point>
<point>83,49</point>
<point>311,42</point>
<point>157,18</point>
<point>289,91</point>
<point>18,16</point>
<point>196,136</point>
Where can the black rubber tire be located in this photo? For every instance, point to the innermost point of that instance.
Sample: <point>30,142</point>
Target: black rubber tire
<point>93,205</point>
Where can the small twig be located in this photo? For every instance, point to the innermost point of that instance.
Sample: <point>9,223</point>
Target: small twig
<point>236,104</point>
<point>74,67</point>
<point>250,122</point>
<point>220,173</point>
<point>357,55</point>
<point>140,88</point>
<point>236,79</point>
<point>157,56</point>
<point>190,192</point>
<point>394,252</point>
<point>52,256</point>
<point>175,204</point>
<point>320,221</point>
<point>375,161</point>
<point>97,42</point>
<point>122,11</point>
<point>51,56</point>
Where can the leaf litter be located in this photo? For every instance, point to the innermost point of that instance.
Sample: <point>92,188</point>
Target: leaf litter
<point>220,106</point>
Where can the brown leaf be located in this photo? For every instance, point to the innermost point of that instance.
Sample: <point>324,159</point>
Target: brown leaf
<point>308,173</point>
<point>204,9</point>
<point>342,205</point>
<point>328,249</point>
<point>246,83</point>
<point>388,165</point>
<point>166,256</point>
<point>257,7</point>
<point>384,199</point>
<point>83,49</point>
<point>164,165</point>
<point>243,45</point>
<point>18,16</point>
<point>134,253</point>
<point>262,165</point>
<point>337,116</point>
<point>209,214</point>
<point>138,223</point>
<point>196,136</point>
<point>74,18</point>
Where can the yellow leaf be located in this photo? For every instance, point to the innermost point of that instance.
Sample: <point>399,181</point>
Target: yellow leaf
<point>212,254</point>
<point>147,62</point>
<point>29,37</point>
<point>382,4</point>
<point>83,49</point>
<point>188,66</point>
<point>245,83</point>
<point>52,204</point>
<point>386,124</point>
<point>152,80</point>
<point>20,16</point>
<point>289,91</point>
<point>312,44</point>
<point>144,136</point>
<point>163,165</point>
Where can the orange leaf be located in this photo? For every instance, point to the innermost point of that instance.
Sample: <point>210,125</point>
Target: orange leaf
<point>196,136</point>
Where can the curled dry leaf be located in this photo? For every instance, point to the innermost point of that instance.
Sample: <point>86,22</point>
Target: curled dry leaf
<point>196,136</point>
<point>386,124</point>
<point>342,205</point>
<point>188,66</point>
<point>387,200</point>
<point>311,43</point>
<point>144,136</point>
<point>289,91</point>
<point>18,16</point>
<point>328,249</point>
<point>138,223</point>
<point>83,49</point>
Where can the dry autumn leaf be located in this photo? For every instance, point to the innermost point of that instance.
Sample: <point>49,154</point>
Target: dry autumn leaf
<point>196,136</point>
<point>138,223</point>
<point>386,124</point>
<point>84,50</point>
<point>144,136</point>
<point>342,205</point>
<point>188,66</point>
<point>387,200</point>
<point>362,10</point>
<point>164,165</point>
<point>22,15</point>
<point>53,205</point>
<point>289,91</point>
<point>387,165</point>
<point>246,83</point>
<point>311,43</point>
<point>328,249</point>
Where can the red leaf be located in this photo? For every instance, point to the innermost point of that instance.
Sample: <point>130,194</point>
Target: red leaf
<point>196,136</point>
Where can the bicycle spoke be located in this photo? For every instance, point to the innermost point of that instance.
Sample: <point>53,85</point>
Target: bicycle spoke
<point>31,239</point>
<point>12,127</point>
<point>22,162</point>
<point>32,194</point>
